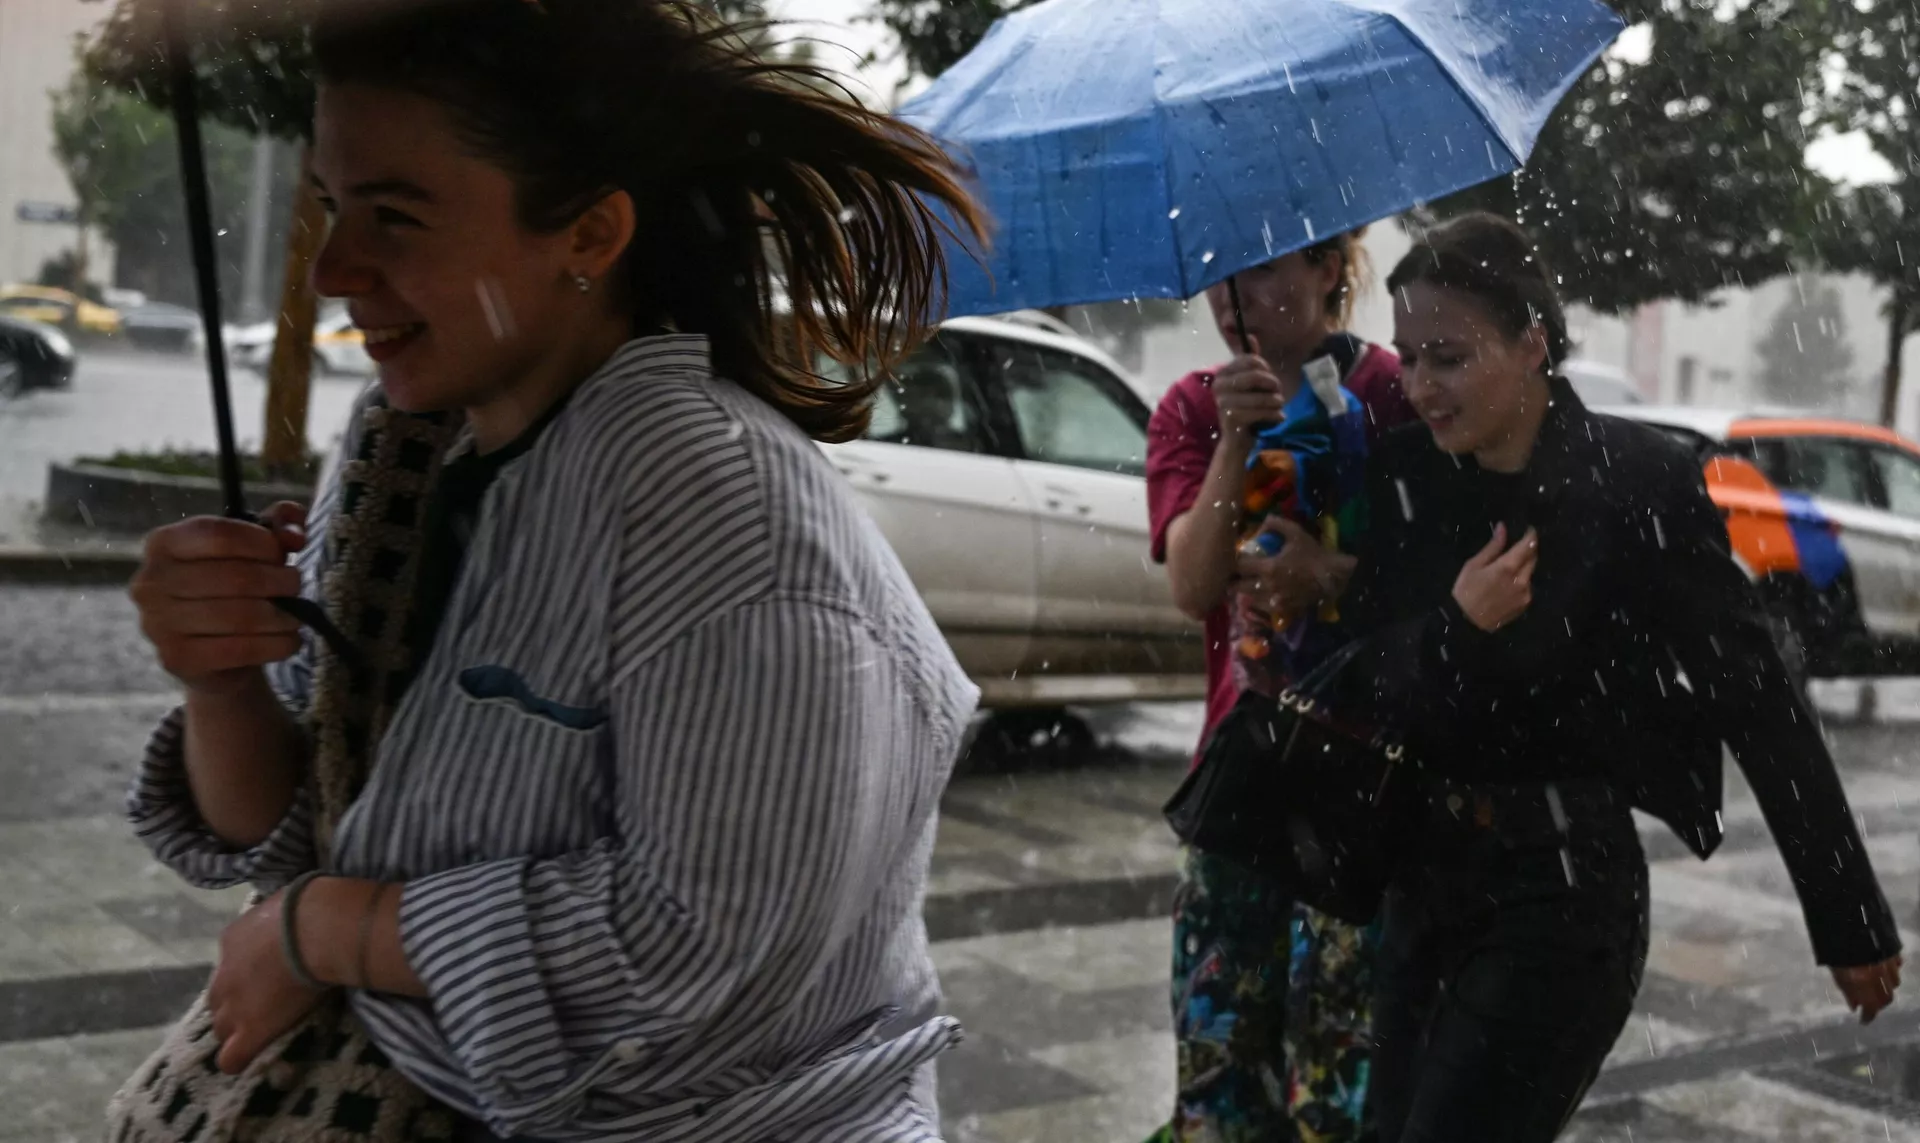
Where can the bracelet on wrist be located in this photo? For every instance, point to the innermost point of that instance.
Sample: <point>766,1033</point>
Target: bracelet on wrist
<point>289,932</point>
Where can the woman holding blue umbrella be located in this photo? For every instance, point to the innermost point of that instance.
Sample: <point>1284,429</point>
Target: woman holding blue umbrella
<point>1265,1050</point>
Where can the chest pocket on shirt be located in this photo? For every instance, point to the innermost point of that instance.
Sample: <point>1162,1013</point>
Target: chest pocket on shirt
<point>548,766</point>
<point>494,683</point>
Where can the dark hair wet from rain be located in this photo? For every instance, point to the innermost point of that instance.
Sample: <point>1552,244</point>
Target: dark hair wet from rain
<point>1495,261</point>
<point>776,219</point>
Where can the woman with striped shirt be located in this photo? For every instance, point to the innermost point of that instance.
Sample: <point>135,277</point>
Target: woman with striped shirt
<point>644,831</point>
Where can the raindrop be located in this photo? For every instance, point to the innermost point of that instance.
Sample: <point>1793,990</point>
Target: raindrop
<point>1206,258</point>
<point>1174,213</point>
<point>220,233</point>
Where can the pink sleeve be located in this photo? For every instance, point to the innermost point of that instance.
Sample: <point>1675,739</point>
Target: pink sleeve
<point>1180,442</point>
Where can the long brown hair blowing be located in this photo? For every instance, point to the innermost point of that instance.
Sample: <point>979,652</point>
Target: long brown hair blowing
<point>773,217</point>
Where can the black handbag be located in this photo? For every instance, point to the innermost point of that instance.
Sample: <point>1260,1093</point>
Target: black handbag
<point>1290,792</point>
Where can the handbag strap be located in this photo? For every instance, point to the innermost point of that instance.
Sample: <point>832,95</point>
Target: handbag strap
<point>374,545</point>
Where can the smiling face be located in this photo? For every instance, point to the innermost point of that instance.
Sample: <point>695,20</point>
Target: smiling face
<point>1480,389</point>
<point>462,305</point>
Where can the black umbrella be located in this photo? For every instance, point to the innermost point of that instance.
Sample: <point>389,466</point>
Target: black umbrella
<point>185,101</point>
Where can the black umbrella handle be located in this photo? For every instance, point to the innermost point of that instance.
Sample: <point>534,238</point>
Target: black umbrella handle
<point>311,615</point>
<point>1239,315</point>
<point>185,97</point>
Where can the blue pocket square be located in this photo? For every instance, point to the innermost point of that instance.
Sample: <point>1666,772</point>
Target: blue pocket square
<point>494,682</point>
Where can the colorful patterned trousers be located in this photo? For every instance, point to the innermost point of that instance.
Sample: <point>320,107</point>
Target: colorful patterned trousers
<point>1271,1004</point>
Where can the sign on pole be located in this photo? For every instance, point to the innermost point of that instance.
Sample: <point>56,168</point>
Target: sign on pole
<point>30,211</point>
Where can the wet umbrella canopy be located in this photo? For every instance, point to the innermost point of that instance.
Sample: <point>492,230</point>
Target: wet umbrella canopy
<point>1151,148</point>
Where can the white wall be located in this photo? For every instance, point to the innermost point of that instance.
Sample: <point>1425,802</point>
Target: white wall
<point>36,57</point>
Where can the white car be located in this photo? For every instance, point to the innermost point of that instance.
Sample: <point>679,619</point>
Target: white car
<point>1824,515</point>
<point>1600,384</point>
<point>338,347</point>
<point>1006,465</point>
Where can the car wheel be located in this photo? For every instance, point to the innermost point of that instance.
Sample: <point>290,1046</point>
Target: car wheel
<point>1011,740</point>
<point>13,378</point>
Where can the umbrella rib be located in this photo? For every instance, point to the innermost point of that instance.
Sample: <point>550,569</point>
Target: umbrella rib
<point>1166,168</point>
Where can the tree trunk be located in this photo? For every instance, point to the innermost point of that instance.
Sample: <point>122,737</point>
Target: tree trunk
<point>289,375</point>
<point>1899,317</point>
<point>80,252</point>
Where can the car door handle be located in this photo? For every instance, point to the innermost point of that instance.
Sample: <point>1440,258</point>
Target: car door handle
<point>1059,499</point>
<point>858,471</point>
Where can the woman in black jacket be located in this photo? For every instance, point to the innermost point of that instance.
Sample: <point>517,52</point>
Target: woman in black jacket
<point>1556,624</point>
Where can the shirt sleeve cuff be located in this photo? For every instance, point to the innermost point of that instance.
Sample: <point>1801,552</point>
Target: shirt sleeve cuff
<point>160,805</point>
<point>468,936</point>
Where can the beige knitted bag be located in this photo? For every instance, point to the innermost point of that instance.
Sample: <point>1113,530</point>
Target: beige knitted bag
<point>325,1081</point>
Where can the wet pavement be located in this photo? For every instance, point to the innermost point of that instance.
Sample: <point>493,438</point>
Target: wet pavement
<point>140,401</point>
<point>1047,905</point>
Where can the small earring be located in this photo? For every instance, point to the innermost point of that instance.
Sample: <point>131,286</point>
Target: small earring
<point>583,283</point>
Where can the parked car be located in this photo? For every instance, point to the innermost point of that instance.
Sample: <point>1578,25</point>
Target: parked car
<point>1006,465</point>
<point>33,356</point>
<point>338,347</point>
<point>163,326</point>
<point>63,308</point>
<point>1824,515</point>
<point>1600,384</point>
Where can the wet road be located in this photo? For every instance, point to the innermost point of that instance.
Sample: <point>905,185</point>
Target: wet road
<point>125,400</point>
<point>1047,906</point>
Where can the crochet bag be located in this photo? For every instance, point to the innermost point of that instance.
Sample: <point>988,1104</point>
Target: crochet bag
<point>325,1081</point>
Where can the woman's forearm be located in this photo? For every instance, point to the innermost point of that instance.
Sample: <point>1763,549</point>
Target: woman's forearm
<point>1203,542</point>
<point>349,935</point>
<point>244,755</point>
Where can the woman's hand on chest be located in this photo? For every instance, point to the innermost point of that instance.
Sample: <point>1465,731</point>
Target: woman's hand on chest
<point>1495,586</point>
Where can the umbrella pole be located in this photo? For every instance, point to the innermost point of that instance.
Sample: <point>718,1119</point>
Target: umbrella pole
<point>1239,315</point>
<point>193,177</point>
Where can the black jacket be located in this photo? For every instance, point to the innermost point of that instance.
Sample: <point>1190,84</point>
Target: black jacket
<point>1635,578</point>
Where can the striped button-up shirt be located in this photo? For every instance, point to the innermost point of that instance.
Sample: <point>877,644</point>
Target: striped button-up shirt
<point>662,794</point>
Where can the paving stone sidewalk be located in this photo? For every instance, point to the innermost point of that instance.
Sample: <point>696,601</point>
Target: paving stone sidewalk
<point>1048,900</point>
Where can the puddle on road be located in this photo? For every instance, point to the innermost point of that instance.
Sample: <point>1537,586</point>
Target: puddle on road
<point>1893,1070</point>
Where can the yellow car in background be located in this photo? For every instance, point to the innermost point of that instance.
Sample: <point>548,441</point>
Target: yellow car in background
<point>63,308</point>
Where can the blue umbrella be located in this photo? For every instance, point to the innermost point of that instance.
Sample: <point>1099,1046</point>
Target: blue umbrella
<point>1151,148</point>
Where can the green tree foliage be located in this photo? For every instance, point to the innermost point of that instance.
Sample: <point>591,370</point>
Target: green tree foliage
<point>934,34</point>
<point>1875,230</point>
<point>122,158</point>
<point>1682,173</point>
<point>1805,357</point>
<point>255,83</point>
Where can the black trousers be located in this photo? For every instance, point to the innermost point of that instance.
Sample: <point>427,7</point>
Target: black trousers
<point>1514,941</point>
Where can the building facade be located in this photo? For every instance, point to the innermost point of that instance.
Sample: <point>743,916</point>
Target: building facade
<point>37,40</point>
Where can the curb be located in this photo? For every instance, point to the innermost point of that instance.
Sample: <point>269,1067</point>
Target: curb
<point>66,567</point>
<point>130,500</point>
